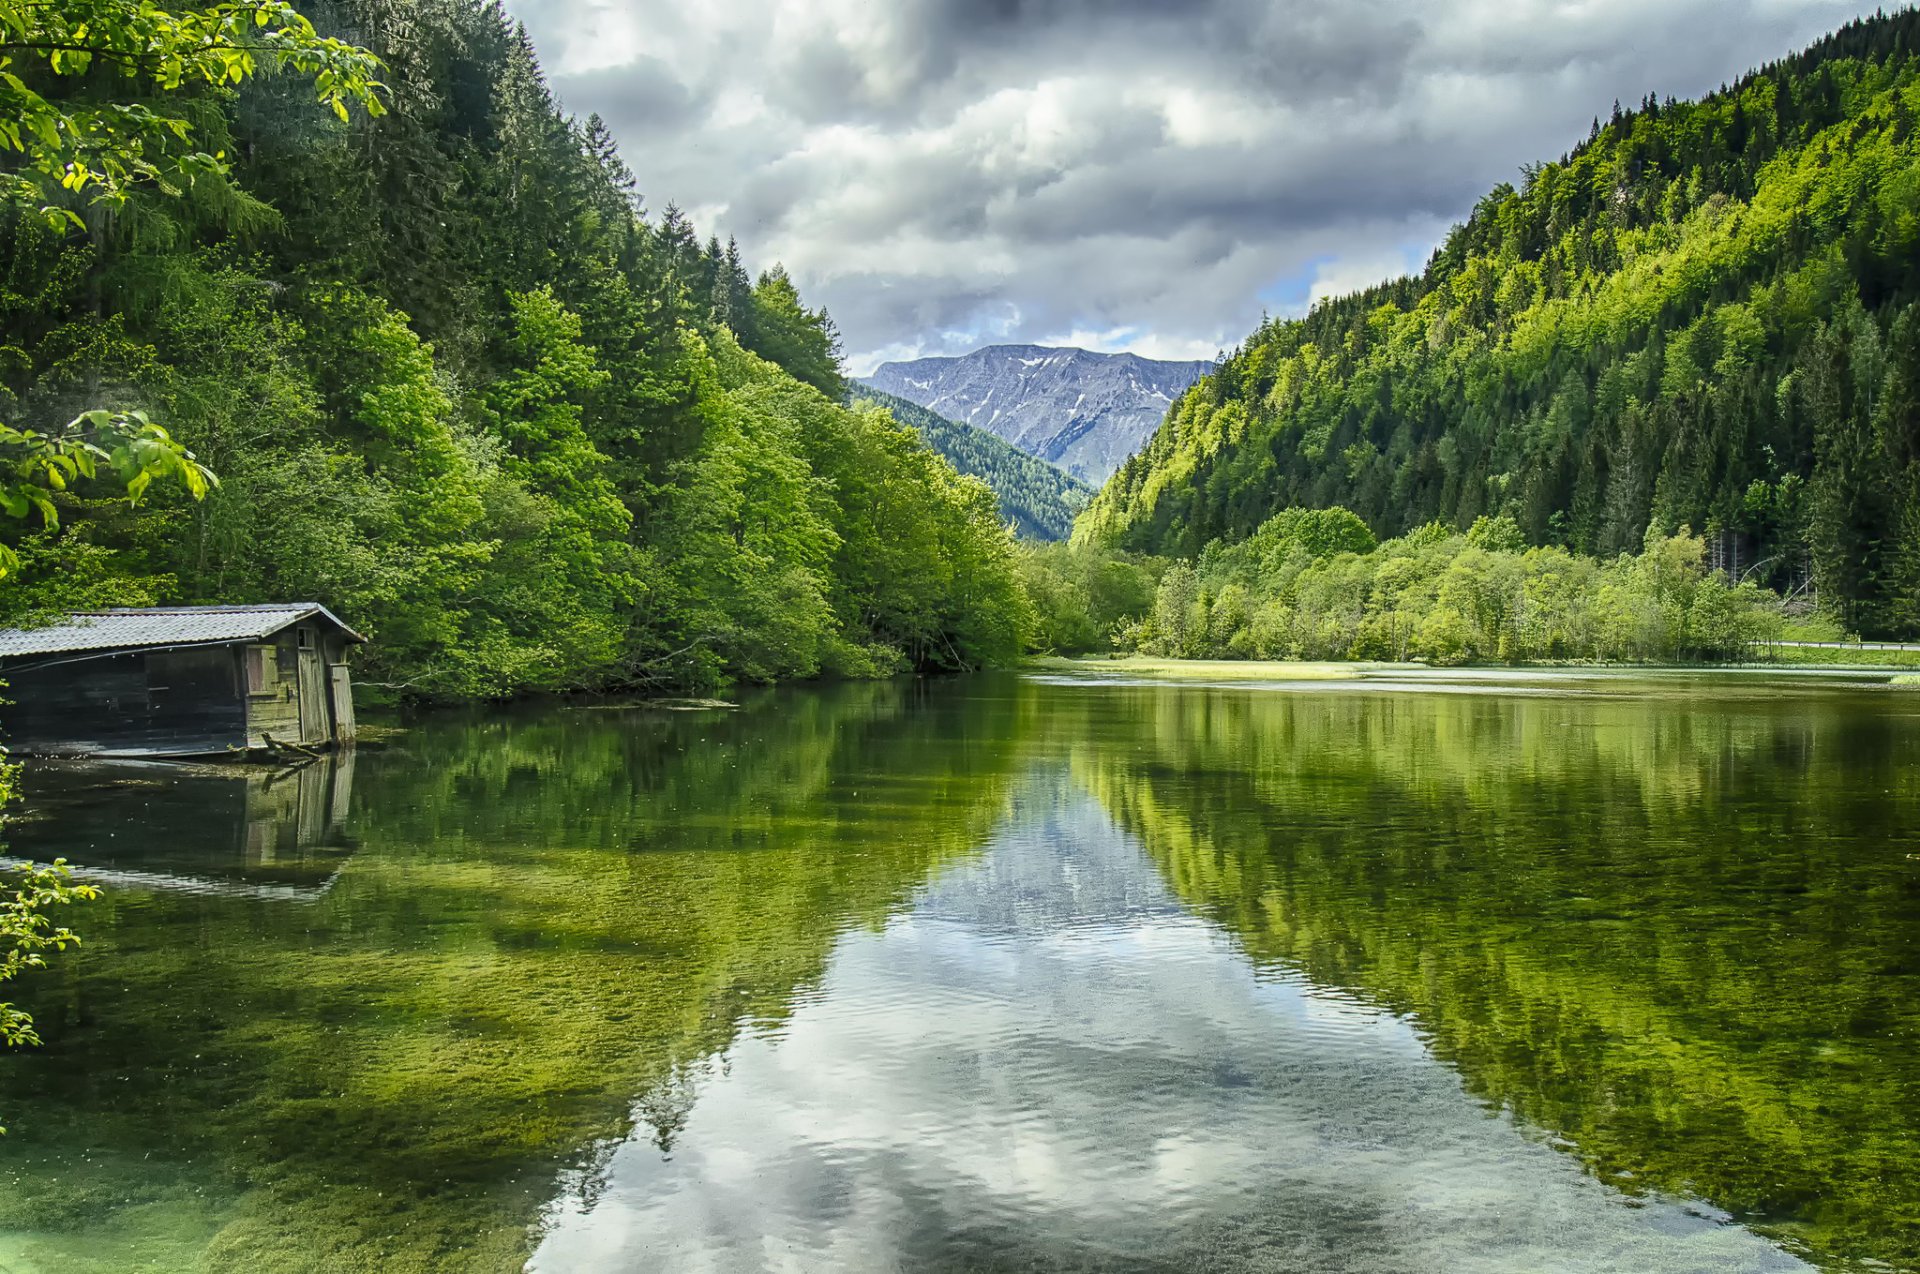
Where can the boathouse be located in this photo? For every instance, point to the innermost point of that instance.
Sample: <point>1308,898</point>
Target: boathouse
<point>178,681</point>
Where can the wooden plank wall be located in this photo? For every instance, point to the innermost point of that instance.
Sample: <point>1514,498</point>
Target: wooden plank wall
<point>174,702</point>
<point>275,710</point>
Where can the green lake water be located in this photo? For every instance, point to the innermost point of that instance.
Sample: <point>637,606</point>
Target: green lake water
<point>1423,972</point>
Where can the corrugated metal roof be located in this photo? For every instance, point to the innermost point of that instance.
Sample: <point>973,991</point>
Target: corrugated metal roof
<point>160,626</point>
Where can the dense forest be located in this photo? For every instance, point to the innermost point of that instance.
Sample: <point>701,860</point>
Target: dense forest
<point>456,382</point>
<point>1706,318</point>
<point>453,379</point>
<point>1315,584</point>
<point>1039,500</point>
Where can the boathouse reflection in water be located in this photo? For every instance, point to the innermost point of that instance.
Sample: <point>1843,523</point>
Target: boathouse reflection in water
<point>239,829</point>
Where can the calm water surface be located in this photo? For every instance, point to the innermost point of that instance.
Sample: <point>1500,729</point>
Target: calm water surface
<point>1494,973</point>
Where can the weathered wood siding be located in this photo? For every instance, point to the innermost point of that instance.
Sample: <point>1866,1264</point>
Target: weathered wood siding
<point>335,649</point>
<point>136,703</point>
<point>316,703</point>
<point>340,685</point>
<point>182,702</point>
<point>275,708</point>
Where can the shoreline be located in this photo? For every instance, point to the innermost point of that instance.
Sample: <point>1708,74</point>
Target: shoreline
<point>1280,670</point>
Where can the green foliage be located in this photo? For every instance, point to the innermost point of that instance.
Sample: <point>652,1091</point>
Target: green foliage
<point>747,540</point>
<point>799,339</point>
<point>1704,316</point>
<point>461,388</point>
<point>1310,584</point>
<point>28,894</point>
<point>62,65</point>
<point>1316,533</point>
<point>27,931</point>
<point>1038,499</point>
<point>561,577</point>
<point>1082,598</point>
<point>130,449</point>
<point>66,73</point>
<point>810,538</point>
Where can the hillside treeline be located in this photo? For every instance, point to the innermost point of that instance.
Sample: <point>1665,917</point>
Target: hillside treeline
<point>1707,316</point>
<point>1038,500</point>
<point>458,384</point>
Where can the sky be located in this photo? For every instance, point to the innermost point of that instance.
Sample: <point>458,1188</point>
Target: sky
<point>947,174</point>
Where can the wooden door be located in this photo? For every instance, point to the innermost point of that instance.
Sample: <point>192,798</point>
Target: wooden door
<point>315,720</point>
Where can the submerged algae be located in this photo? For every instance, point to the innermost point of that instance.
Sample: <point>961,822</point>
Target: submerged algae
<point>1670,925</point>
<point>1683,939</point>
<point>540,921</point>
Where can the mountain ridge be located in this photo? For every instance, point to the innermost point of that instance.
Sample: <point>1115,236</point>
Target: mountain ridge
<point>1081,410</point>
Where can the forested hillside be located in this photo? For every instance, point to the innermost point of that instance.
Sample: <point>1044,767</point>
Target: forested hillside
<point>1038,499</point>
<point>1705,316</point>
<point>457,384</point>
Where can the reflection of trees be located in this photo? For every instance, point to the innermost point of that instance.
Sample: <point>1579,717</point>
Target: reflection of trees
<point>549,914</point>
<point>1686,937</point>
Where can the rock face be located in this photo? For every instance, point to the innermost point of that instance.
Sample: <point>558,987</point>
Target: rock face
<point>1082,411</point>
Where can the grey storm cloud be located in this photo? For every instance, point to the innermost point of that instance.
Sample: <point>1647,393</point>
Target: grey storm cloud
<point>642,91</point>
<point>942,174</point>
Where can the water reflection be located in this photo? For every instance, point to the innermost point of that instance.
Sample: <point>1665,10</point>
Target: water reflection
<point>1051,1064</point>
<point>547,913</point>
<point>1679,932</point>
<point>992,974</point>
<point>235,830</point>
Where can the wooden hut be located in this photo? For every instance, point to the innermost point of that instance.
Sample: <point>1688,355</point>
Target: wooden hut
<point>178,681</point>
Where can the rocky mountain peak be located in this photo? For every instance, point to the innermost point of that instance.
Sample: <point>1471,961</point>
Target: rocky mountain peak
<point>1083,411</point>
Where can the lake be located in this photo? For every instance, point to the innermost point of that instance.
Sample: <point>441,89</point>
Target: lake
<point>1418,972</point>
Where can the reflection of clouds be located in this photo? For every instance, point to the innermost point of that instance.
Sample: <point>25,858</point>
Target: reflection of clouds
<point>1049,1065</point>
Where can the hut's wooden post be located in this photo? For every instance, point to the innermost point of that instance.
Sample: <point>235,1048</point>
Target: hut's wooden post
<point>342,686</point>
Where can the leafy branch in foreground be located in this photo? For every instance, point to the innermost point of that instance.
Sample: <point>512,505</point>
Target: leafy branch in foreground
<point>100,150</point>
<point>27,931</point>
<point>130,448</point>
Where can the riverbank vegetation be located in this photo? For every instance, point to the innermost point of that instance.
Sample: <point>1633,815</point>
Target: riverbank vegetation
<point>1316,585</point>
<point>1707,316</point>
<point>458,384</point>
